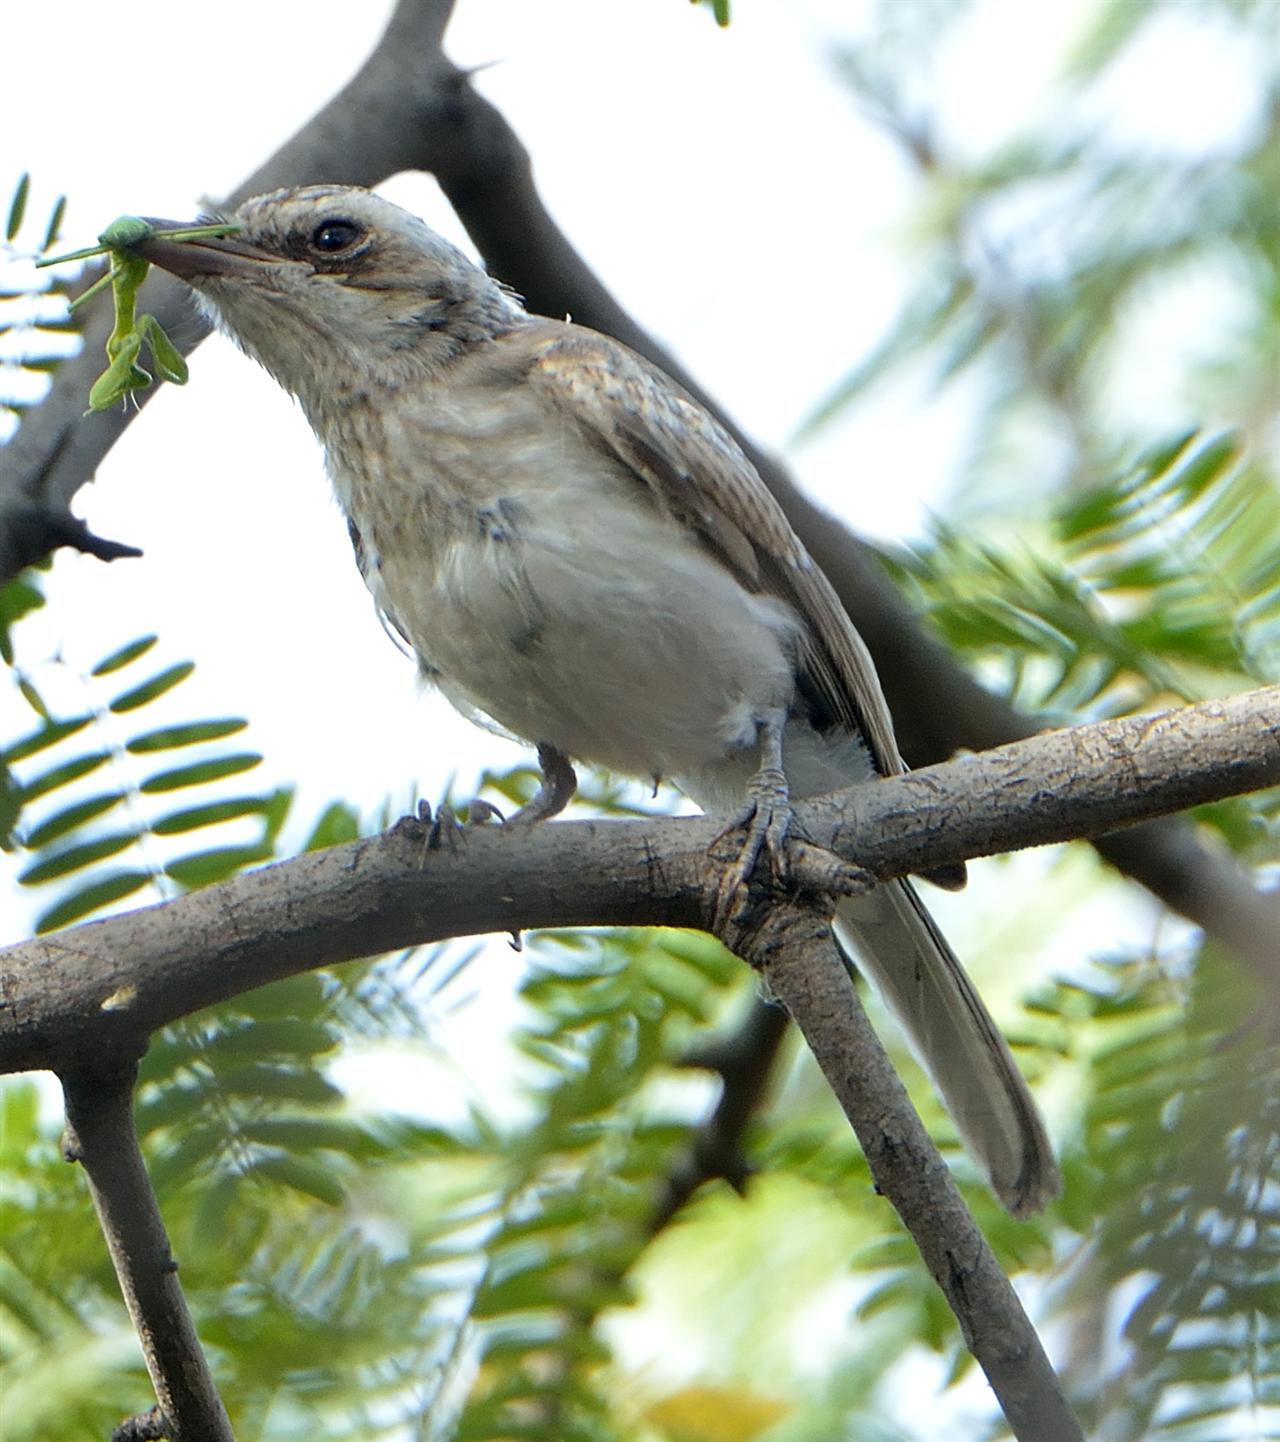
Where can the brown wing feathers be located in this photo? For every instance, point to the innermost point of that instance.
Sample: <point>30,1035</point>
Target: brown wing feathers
<point>695,470</point>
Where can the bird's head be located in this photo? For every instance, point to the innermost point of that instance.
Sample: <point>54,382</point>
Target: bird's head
<point>336,291</point>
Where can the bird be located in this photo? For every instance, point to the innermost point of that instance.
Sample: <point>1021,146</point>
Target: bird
<point>580,555</point>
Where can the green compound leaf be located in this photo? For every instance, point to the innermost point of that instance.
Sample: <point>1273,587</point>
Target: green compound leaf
<point>203,868</point>
<point>63,775</point>
<point>279,1084</point>
<point>192,818</point>
<point>33,698</point>
<point>76,858</point>
<point>337,824</point>
<point>71,817</point>
<point>18,208</point>
<point>48,735</point>
<point>310,1178</point>
<point>170,738</point>
<point>55,224</point>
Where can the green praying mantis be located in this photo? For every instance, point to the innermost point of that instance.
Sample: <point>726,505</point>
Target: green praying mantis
<point>131,331</point>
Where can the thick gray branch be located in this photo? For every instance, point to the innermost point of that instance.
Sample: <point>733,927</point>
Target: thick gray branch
<point>102,1138</point>
<point>108,984</point>
<point>797,954</point>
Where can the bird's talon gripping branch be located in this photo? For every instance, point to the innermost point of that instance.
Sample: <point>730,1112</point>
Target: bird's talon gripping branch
<point>767,820</point>
<point>446,830</point>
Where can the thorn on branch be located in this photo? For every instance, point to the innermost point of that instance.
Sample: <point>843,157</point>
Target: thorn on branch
<point>34,531</point>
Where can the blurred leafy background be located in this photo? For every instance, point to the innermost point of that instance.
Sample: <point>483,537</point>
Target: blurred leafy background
<point>1108,308</point>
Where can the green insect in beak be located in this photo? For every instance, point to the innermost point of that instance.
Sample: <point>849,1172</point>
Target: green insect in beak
<point>132,333</point>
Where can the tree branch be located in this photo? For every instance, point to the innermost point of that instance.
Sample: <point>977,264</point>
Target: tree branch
<point>743,1062</point>
<point>409,107</point>
<point>102,1138</point>
<point>796,953</point>
<point>118,980</point>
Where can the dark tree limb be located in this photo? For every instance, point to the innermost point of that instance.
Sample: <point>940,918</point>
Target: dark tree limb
<point>106,985</point>
<point>796,953</point>
<point>743,1062</point>
<point>101,1137</point>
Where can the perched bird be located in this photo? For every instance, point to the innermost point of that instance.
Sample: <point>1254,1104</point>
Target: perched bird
<point>576,551</point>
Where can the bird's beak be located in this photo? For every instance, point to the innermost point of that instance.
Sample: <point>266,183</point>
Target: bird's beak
<point>191,259</point>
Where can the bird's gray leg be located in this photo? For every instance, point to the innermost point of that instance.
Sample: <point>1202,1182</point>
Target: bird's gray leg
<point>555,790</point>
<point>767,815</point>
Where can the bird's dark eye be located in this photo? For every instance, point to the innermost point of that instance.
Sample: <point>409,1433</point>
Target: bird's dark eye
<point>331,236</point>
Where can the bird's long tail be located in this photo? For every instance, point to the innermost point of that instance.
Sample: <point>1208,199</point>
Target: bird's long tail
<point>897,944</point>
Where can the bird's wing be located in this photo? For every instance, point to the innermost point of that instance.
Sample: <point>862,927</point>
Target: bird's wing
<point>696,472</point>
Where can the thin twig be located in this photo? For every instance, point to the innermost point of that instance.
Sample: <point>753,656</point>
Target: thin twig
<point>102,1138</point>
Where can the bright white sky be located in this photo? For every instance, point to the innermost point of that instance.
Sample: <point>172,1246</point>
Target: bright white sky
<point>720,182</point>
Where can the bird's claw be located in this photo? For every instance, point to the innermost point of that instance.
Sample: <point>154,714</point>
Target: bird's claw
<point>445,830</point>
<point>767,819</point>
<point>434,831</point>
<point>556,786</point>
<point>481,813</point>
<point>769,823</point>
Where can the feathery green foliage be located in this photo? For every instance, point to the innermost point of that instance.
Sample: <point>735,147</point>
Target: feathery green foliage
<point>1091,568</point>
<point>136,828</point>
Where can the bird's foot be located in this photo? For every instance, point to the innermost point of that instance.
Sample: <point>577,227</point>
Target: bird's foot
<point>794,861</point>
<point>766,821</point>
<point>441,830</point>
<point>481,813</point>
<point>555,789</point>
